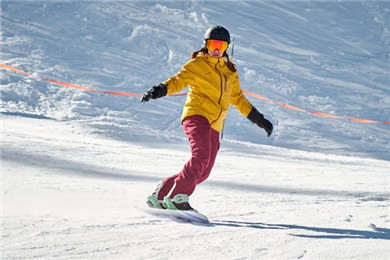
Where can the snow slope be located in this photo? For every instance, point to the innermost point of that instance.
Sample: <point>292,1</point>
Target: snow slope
<point>68,193</point>
<point>76,166</point>
<point>329,57</point>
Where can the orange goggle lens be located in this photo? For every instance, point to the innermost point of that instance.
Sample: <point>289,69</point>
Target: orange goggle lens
<point>212,45</point>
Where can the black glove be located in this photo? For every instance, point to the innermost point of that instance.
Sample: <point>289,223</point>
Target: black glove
<point>257,118</point>
<point>156,92</point>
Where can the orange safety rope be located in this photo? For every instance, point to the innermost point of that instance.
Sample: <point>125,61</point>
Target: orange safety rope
<point>313,112</point>
<point>184,94</point>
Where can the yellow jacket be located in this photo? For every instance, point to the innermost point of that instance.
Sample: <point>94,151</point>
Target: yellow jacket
<point>213,87</point>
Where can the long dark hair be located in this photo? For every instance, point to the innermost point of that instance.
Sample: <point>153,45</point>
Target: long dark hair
<point>230,64</point>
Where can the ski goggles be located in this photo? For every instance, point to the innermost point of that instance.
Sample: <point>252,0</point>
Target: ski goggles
<point>212,45</point>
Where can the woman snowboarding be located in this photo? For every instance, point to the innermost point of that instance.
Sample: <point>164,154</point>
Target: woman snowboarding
<point>213,86</point>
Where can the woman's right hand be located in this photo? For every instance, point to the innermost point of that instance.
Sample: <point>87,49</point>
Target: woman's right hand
<point>156,92</point>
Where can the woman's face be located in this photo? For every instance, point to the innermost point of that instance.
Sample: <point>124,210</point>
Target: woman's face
<point>215,54</point>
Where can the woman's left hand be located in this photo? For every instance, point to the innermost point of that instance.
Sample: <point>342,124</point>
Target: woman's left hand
<point>256,117</point>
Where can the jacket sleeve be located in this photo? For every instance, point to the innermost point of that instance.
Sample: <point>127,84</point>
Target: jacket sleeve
<point>181,80</point>
<point>238,99</point>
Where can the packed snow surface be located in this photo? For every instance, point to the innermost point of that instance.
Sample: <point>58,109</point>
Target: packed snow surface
<point>76,166</point>
<point>68,193</point>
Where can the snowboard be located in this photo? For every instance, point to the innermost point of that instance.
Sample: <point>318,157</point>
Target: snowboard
<point>190,216</point>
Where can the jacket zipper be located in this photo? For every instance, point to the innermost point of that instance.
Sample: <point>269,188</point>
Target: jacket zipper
<point>220,97</point>
<point>223,122</point>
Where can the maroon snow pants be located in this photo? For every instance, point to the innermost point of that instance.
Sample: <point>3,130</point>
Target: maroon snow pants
<point>204,142</point>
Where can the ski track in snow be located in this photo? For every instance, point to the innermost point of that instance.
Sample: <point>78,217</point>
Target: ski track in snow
<point>76,166</point>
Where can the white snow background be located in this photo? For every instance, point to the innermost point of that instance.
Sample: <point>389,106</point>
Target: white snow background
<point>76,166</point>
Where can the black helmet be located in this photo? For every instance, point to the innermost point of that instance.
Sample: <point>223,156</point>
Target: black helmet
<point>217,33</point>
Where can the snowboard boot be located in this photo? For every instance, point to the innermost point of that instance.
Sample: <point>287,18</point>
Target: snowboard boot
<point>178,202</point>
<point>153,200</point>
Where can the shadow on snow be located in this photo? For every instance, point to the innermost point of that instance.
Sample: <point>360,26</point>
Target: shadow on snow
<point>317,232</point>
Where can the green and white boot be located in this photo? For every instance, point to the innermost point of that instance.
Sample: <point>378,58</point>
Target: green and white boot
<point>178,202</point>
<point>153,200</point>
